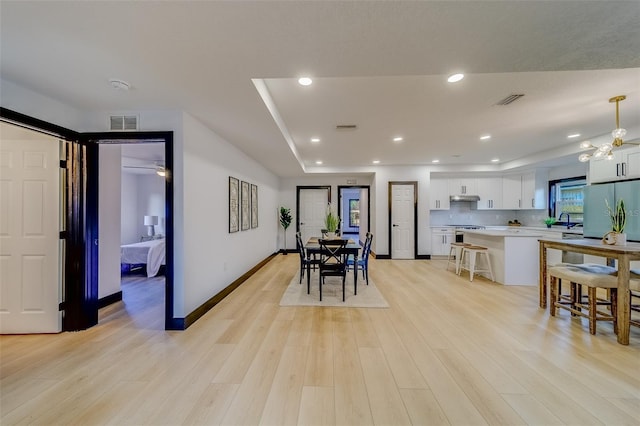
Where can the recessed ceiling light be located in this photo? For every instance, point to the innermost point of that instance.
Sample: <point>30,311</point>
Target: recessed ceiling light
<point>398,139</point>
<point>118,84</point>
<point>376,161</point>
<point>485,137</point>
<point>454,78</point>
<point>575,135</point>
<point>318,162</point>
<point>305,81</point>
<point>495,160</point>
<point>435,161</point>
<point>315,140</point>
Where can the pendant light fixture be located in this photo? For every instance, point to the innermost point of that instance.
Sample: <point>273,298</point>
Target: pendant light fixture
<point>606,149</point>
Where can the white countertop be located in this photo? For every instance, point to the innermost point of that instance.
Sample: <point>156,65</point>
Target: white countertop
<point>508,232</point>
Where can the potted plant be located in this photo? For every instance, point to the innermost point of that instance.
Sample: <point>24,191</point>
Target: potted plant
<point>618,216</point>
<point>331,222</point>
<point>549,221</point>
<point>285,221</point>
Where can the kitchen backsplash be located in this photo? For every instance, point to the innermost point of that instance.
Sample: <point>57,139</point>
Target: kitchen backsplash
<point>461,213</point>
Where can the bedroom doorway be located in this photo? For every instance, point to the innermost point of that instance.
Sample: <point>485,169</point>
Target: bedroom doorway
<point>136,209</point>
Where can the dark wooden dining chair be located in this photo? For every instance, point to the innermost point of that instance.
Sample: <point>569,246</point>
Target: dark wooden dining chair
<point>305,259</point>
<point>333,262</point>
<point>362,264</point>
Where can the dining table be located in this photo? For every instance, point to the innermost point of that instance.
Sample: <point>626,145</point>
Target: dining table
<point>623,254</point>
<point>312,248</point>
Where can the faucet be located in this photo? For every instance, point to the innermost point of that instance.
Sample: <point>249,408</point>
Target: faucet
<point>568,220</point>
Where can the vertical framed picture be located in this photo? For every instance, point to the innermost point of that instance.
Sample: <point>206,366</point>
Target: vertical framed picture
<point>234,204</point>
<point>254,206</point>
<point>244,206</point>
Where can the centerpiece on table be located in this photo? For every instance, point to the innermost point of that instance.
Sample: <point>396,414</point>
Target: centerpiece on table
<point>618,216</point>
<point>331,222</point>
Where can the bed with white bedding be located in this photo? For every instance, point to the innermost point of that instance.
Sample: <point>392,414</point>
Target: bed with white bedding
<point>151,253</point>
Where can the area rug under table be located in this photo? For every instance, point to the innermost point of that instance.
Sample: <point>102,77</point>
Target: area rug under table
<point>368,295</point>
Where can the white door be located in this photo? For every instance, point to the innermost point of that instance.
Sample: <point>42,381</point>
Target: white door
<point>313,208</point>
<point>402,221</point>
<point>29,231</point>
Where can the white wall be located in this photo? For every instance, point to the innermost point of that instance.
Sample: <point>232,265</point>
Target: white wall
<point>213,258</point>
<point>109,220</point>
<point>151,202</point>
<point>129,222</point>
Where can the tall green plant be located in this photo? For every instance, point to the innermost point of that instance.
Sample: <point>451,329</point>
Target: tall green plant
<point>618,216</point>
<point>285,221</point>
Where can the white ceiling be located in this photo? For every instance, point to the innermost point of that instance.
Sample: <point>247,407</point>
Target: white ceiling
<point>379,65</point>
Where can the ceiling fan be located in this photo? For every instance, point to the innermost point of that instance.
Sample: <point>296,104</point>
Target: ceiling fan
<point>158,167</point>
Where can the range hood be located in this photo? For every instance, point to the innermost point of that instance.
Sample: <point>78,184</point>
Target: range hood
<point>464,198</point>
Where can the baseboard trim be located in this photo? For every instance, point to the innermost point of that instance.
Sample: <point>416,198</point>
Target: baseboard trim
<point>206,306</point>
<point>423,257</point>
<point>110,299</point>
<point>383,256</point>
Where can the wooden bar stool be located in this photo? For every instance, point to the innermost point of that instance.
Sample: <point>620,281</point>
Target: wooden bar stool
<point>455,255</point>
<point>592,276</point>
<point>469,258</point>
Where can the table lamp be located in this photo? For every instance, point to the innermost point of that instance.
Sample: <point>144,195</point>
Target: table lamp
<point>151,221</point>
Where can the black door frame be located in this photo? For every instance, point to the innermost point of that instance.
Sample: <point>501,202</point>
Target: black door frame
<point>93,173</point>
<point>368,188</point>
<point>298,188</point>
<point>415,215</point>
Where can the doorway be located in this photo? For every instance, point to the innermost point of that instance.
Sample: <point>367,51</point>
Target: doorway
<point>311,208</point>
<point>166,210</point>
<point>354,211</point>
<point>403,218</point>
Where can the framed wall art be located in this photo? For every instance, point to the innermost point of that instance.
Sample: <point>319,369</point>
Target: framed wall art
<point>254,206</point>
<point>245,213</point>
<point>234,204</point>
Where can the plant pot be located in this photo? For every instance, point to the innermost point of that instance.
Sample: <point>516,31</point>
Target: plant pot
<point>615,238</point>
<point>331,235</point>
<point>548,225</point>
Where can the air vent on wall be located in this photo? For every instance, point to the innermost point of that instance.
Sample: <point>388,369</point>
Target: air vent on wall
<point>510,99</point>
<point>123,122</point>
<point>346,127</point>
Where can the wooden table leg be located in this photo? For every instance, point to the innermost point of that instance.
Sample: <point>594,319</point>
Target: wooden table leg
<point>543,275</point>
<point>624,308</point>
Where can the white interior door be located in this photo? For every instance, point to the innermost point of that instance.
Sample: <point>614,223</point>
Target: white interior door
<point>313,208</point>
<point>29,231</point>
<point>402,221</point>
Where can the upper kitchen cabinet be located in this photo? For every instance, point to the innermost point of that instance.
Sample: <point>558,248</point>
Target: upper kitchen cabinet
<point>625,164</point>
<point>439,194</point>
<point>525,191</point>
<point>463,186</point>
<point>490,192</point>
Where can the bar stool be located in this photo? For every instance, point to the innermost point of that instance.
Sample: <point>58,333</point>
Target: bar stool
<point>469,258</point>
<point>592,276</point>
<point>455,252</point>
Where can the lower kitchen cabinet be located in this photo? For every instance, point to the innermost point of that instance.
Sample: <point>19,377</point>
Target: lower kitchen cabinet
<point>441,239</point>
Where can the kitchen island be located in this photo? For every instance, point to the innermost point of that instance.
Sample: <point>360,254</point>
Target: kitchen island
<point>513,252</point>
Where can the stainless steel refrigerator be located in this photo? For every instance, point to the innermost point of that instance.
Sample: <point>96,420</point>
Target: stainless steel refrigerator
<point>597,221</point>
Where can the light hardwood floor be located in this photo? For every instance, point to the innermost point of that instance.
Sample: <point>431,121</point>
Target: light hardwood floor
<point>447,351</point>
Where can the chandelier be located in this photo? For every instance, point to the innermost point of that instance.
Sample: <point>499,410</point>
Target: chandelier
<point>606,149</point>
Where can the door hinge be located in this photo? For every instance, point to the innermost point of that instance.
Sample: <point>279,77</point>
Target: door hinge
<point>61,306</point>
<point>64,235</point>
<point>63,164</point>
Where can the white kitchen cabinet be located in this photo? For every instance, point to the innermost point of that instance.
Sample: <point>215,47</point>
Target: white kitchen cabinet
<point>625,164</point>
<point>441,239</point>
<point>463,186</point>
<point>439,194</point>
<point>490,192</point>
<point>524,192</point>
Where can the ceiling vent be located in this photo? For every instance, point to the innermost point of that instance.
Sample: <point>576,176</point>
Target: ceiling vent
<point>510,99</point>
<point>123,122</point>
<point>346,127</point>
